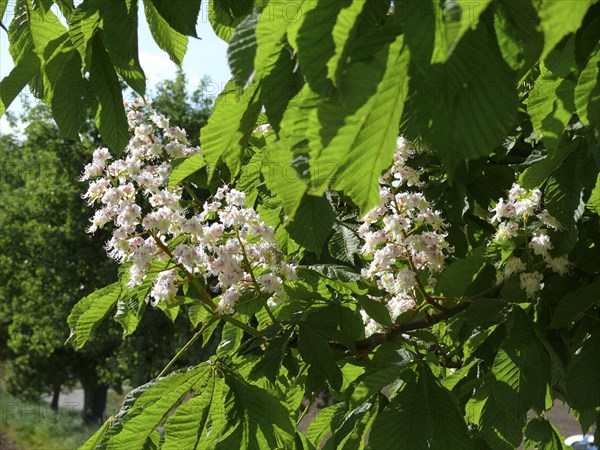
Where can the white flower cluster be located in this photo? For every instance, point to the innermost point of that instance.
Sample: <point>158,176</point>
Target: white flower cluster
<point>521,215</point>
<point>404,237</point>
<point>221,239</point>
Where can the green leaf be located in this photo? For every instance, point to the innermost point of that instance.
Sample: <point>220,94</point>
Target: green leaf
<point>181,15</point>
<point>17,79</point>
<point>259,419</point>
<point>312,39</point>
<point>461,274</point>
<point>376,310</point>
<point>582,382</point>
<point>459,16</point>
<point>242,48</point>
<point>225,15</point>
<point>120,24</point>
<point>575,304</point>
<point>64,91</point>
<point>536,174</point>
<point>522,363</point>
<point>83,24</point>
<point>281,82</point>
<point>89,312</point>
<point>312,223</point>
<point>559,18</point>
<point>422,415</point>
<point>226,135</point>
<point>587,92</point>
<point>344,243</point>
<point>197,314</point>
<point>550,106</point>
<point>3,4</point>
<point>564,192</point>
<point>270,362</point>
<point>362,148</point>
<point>110,117</point>
<point>594,200</point>
<point>187,167</point>
<point>380,374</point>
<point>520,41</point>
<point>127,314</point>
<point>270,30</point>
<point>351,432</point>
<point>96,438</point>
<point>199,421</point>
<point>171,41</point>
<point>282,179</point>
<point>344,34</point>
<point>314,348</point>
<point>492,408</point>
<point>146,407</point>
<point>320,426</point>
<point>457,114</point>
<point>250,179</point>
<point>542,435</point>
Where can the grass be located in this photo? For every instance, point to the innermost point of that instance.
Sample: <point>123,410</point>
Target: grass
<point>34,426</point>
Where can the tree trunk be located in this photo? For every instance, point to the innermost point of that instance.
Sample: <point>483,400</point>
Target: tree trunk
<point>94,400</point>
<point>55,398</point>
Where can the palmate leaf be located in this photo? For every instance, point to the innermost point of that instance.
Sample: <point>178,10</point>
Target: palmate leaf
<point>520,41</point>
<point>120,24</point>
<point>83,24</point>
<point>314,347</point>
<point>423,415</point>
<point>242,48</point>
<point>565,195</point>
<point>458,277</point>
<point>23,72</point>
<point>536,174</point>
<point>146,407</point>
<point>312,223</point>
<point>459,16</point>
<point>549,118</point>
<point>110,116</point>
<point>258,419</point>
<point>89,312</point>
<point>521,363</point>
<point>582,382</point>
<point>312,39</point>
<point>344,33</point>
<point>199,422</point>
<point>321,425</point>
<point>181,15</point>
<point>64,89</point>
<point>575,304</point>
<point>542,435</point>
<point>460,116</point>
<point>225,15</point>
<point>3,5</point>
<point>352,429</point>
<point>270,31</point>
<point>594,200</point>
<point>226,135</point>
<point>494,410</point>
<point>170,40</point>
<point>187,167</point>
<point>587,92</point>
<point>358,133</point>
<point>559,18</point>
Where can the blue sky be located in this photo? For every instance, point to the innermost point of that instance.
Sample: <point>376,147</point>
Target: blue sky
<point>205,56</point>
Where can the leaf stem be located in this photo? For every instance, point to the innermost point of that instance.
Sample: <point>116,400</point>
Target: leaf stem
<point>187,345</point>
